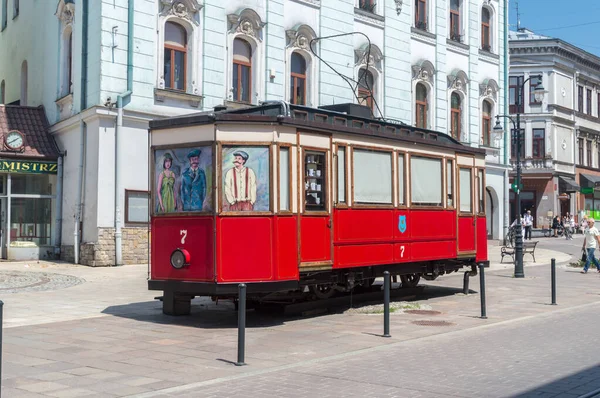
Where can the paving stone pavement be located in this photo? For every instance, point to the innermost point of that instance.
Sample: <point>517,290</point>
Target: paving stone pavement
<point>107,337</point>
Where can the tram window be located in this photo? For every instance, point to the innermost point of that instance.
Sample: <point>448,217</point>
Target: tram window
<point>284,179</point>
<point>372,171</point>
<point>402,200</point>
<point>425,181</point>
<point>481,192</point>
<point>465,189</point>
<point>450,183</point>
<point>315,184</point>
<point>341,174</point>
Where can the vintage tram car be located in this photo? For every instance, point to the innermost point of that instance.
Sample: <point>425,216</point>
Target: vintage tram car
<point>291,198</point>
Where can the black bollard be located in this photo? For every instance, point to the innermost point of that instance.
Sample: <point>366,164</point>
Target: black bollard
<point>553,270</point>
<point>466,283</point>
<point>241,324</point>
<point>482,291</point>
<point>386,304</point>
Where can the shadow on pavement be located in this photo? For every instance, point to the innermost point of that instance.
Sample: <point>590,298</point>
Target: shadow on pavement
<point>580,384</point>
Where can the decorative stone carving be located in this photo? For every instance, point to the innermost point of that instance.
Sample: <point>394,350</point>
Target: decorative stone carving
<point>398,6</point>
<point>246,22</point>
<point>489,89</point>
<point>371,57</point>
<point>184,9</point>
<point>300,37</point>
<point>423,71</point>
<point>458,81</point>
<point>65,11</point>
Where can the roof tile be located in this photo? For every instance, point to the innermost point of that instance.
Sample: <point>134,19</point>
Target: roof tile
<point>32,123</point>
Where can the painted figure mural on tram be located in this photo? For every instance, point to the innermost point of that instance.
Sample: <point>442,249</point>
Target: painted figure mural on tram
<point>246,184</point>
<point>182,178</point>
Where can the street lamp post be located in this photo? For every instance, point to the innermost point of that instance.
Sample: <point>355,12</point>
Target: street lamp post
<point>539,95</point>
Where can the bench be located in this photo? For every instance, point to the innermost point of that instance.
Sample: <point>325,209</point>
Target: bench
<point>528,248</point>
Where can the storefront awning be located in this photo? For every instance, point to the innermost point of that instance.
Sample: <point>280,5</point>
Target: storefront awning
<point>567,185</point>
<point>591,180</point>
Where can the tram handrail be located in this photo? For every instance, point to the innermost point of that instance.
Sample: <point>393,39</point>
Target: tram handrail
<point>284,104</point>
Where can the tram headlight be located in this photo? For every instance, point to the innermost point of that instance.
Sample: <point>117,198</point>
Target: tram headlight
<point>180,258</point>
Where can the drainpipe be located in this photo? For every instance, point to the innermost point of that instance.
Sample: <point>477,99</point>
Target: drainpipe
<point>83,130</point>
<point>59,190</point>
<point>126,96</point>
<point>507,137</point>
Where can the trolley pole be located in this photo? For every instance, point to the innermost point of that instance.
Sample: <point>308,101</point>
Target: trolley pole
<point>482,290</point>
<point>241,324</point>
<point>386,304</point>
<point>553,270</point>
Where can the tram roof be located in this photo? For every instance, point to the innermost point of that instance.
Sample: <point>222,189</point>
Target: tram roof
<point>317,119</point>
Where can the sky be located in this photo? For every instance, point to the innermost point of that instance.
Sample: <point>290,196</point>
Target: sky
<point>574,21</point>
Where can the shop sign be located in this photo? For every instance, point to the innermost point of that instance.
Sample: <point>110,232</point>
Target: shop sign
<point>26,166</point>
<point>587,190</point>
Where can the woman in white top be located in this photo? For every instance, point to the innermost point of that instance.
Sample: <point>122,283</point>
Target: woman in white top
<point>590,242</point>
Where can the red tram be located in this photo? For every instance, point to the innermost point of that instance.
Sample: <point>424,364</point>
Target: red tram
<point>283,197</point>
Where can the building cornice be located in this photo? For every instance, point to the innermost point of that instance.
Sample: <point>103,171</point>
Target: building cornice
<point>555,47</point>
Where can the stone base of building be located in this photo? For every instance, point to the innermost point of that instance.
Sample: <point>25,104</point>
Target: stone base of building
<point>135,247</point>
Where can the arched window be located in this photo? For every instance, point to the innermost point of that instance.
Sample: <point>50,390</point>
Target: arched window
<point>242,70</point>
<point>67,64</point>
<point>2,92</point>
<point>455,20</point>
<point>23,100</point>
<point>485,30</point>
<point>486,123</point>
<point>298,79</point>
<point>421,106</point>
<point>366,88</point>
<point>175,56</point>
<point>455,116</point>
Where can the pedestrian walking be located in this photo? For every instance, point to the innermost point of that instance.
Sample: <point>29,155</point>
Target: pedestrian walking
<point>590,243</point>
<point>528,222</point>
<point>556,226</point>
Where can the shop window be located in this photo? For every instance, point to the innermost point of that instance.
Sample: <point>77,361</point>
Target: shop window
<point>539,147</point>
<point>486,123</point>
<point>242,70</point>
<point>486,22</point>
<point>32,184</point>
<point>421,106</point>
<point>372,173</point>
<point>136,207</point>
<point>284,179</point>
<point>30,222</point>
<point>421,14</point>
<point>341,174</point>
<point>455,115</point>
<point>401,181</point>
<point>175,56</point>
<point>465,190</point>
<point>298,79</point>
<point>450,183</point>
<point>425,181</point>
<point>315,183</point>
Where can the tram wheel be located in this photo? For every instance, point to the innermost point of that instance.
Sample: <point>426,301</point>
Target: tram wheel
<point>410,280</point>
<point>322,291</point>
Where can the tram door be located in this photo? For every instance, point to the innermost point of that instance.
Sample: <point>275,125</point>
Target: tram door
<point>467,220</point>
<point>315,212</point>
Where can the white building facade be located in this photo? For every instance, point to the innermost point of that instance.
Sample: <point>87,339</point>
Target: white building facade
<point>102,69</point>
<point>561,135</point>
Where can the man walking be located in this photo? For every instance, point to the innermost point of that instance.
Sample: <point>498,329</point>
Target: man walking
<point>528,222</point>
<point>590,243</point>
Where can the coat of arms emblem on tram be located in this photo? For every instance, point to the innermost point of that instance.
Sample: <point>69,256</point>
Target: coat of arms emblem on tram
<point>402,224</point>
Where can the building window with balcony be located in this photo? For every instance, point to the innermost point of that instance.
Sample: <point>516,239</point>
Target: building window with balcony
<point>455,115</point>
<point>514,84</point>
<point>421,106</point>
<point>175,56</point>
<point>580,99</point>
<point>588,98</point>
<point>367,5</point>
<point>533,82</point>
<point>588,151</point>
<point>580,150</point>
<point>539,139</point>
<point>455,20</point>
<point>513,145</point>
<point>298,79</point>
<point>366,88</point>
<point>486,23</point>
<point>486,123</point>
<point>421,14</point>
<point>242,70</point>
